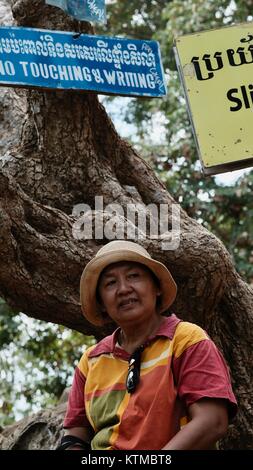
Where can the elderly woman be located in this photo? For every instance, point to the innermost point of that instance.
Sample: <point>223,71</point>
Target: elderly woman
<point>157,382</point>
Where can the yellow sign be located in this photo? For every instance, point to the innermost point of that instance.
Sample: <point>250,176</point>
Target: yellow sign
<point>216,68</point>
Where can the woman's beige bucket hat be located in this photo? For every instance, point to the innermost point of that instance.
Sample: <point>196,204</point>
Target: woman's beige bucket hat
<point>113,252</point>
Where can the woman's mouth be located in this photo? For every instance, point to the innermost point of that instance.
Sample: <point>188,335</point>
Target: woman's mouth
<point>127,303</point>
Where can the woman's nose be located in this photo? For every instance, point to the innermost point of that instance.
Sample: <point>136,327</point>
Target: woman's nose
<point>123,286</point>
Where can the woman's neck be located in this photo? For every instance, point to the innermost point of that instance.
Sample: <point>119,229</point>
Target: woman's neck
<point>130,338</point>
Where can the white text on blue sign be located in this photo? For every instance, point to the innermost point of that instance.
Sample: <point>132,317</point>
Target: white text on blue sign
<point>62,60</point>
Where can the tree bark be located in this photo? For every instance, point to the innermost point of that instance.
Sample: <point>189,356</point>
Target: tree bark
<point>40,431</point>
<point>68,153</point>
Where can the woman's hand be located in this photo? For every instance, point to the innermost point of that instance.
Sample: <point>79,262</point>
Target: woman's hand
<point>80,433</point>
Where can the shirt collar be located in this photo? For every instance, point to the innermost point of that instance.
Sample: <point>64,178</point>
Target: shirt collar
<point>108,344</point>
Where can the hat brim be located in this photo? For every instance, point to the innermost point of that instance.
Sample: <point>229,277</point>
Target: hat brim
<point>91,273</point>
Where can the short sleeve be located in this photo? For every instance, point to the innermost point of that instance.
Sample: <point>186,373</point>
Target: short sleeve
<point>75,414</point>
<point>200,369</point>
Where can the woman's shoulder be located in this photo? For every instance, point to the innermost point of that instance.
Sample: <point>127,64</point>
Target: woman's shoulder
<point>187,334</point>
<point>104,346</point>
<point>86,353</point>
<point>187,328</point>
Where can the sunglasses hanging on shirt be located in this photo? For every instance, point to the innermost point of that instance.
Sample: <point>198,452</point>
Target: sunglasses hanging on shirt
<point>133,374</point>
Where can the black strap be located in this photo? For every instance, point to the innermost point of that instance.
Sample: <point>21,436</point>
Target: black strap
<point>68,441</point>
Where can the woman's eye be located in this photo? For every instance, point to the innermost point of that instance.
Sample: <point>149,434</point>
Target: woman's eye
<point>110,283</point>
<point>133,275</point>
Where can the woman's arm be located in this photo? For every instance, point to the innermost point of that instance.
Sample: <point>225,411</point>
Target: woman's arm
<point>81,433</point>
<point>209,423</point>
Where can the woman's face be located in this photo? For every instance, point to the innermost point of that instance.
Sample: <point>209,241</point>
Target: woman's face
<point>128,292</point>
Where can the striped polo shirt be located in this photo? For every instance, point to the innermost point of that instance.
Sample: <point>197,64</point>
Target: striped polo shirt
<point>179,365</point>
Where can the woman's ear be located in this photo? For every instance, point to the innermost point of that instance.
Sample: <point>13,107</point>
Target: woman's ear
<point>102,310</point>
<point>158,299</point>
<point>99,302</point>
<point>106,318</point>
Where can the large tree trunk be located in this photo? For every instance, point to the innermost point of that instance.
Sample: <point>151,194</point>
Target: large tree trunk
<point>69,152</point>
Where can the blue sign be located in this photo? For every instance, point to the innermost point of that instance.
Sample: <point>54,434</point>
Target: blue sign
<point>55,59</point>
<point>85,10</point>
